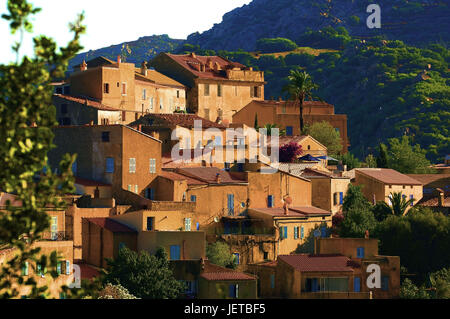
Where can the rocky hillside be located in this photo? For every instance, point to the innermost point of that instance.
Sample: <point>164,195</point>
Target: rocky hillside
<point>414,22</point>
<point>143,49</point>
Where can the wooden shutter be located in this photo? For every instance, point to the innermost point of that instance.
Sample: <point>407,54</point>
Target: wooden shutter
<point>231,204</point>
<point>356,284</point>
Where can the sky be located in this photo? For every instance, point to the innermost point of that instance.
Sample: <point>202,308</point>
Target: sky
<point>114,22</point>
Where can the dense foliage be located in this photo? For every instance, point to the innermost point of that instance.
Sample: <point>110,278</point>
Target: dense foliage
<point>26,118</point>
<point>266,45</point>
<point>219,254</point>
<point>326,135</point>
<point>143,275</point>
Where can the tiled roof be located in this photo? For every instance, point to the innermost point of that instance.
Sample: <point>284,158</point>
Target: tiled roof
<point>86,101</point>
<point>209,174</point>
<point>303,211</point>
<point>432,200</point>
<point>196,160</point>
<point>217,273</point>
<point>192,64</point>
<point>178,177</point>
<point>295,168</point>
<point>430,178</point>
<point>290,103</point>
<point>158,78</point>
<point>87,182</point>
<point>111,225</point>
<point>169,120</point>
<point>388,176</point>
<point>311,173</point>
<point>4,197</point>
<point>318,263</point>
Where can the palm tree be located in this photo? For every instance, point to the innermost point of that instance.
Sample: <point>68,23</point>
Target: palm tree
<point>299,88</point>
<point>399,204</point>
<point>269,127</point>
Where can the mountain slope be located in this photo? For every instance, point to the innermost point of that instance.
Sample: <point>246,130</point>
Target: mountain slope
<point>414,22</point>
<point>143,49</point>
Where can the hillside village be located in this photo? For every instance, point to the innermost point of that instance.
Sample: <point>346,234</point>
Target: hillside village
<point>131,192</point>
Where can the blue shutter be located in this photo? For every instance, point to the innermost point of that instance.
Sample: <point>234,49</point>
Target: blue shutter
<point>175,252</point>
<point>289,130</point>
<point>67,267</point>
<point>285,235</point>
<point>302,232</point>
<point>360,252</point>
<point>323,232</point>
<point>295,232</point>
<point>152,194</point>
<point>232,291</point>
<point>109,165</point>
<point>193,198</point>
<point>411,197</point>
<point>270,201</point>
<point>231,204</point>
<point>384,283</point>
<point>315,285</point>
<point>356,284</point>
<point>341,198</point>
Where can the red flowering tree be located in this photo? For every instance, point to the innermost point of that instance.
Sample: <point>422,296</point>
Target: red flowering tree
<point>290,152</point>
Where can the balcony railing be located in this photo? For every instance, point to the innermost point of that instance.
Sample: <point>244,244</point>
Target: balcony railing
<point>54,236</point>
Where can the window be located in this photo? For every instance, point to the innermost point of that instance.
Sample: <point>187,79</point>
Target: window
<point>289,131</point>
<point>175,252</point>
<point>136,189</point>
<point>360,252</point>
<point>265,255</point>
<point>236,258</point>
<point>106,88</point>
<point>385,283</point>
<point>230,204</point>
<point>58,268</point>
<point>64,108</point>
<point>302,232</point>
<point>152,165</point>
<point>150,223</point>
<point>335,198</point>
<point>296,232</point>
<point>109,165</point>
<point>54,228</point>
<point>284,232</point>
<point>105,121</point>
<point>411,197</point>
<point>124,88</point>
<point>219,90</point>
<point>150,193</point>
<point>67,267</point>
<point>233,291</point>
<point>272,281</point>
<point>193,198</point>
<point>105,136</point>
<point>227,166</point>
<point>25,269</point>
<point>130,188</point>
<point>178,94</point>
<point>132,165</point>
<point>144,94</point>
<point>356,284</point>
<point>270,202</point>
<point>124,116</point>
<point>187,224</point>
<point>256,91</point>
<point>341,198</point>
<point>206,89</point>
<point>323,232</point>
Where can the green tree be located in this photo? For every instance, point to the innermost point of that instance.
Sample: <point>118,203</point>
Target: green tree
<point>26,101</point>
<point>399,204</point>
<point>143,275</point>
<point>382,158</point>
<point>381,211</point>
<point>219,254</point>
<point>350,160</point>
<point>370,161</point>
<point>117,291</point>
<point>270,127</point>
<point>420,238</point>
<point>327,135</point>
<point>408,290</point>
<point>358,215</point>
<point>267,45</point>
<point>405,158</point>
<point>299,88</point>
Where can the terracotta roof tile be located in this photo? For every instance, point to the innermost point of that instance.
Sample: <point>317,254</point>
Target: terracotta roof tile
<point>430,178</point>
<point>164,120</point>
<point>209,174</point>
<point>432,200</point>
<point>111,225</point>
<point>215,272</point>
<point>304,211</point>
<point>388,176</point>
<point>318,263</point>
<point>158,78</point>
<point>192,64</point>
<point>86,101</point>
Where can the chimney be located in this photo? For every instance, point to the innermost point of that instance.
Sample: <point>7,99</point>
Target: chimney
<point>144,68</point>
<point>119,59</point>
<point>83,66</point>
<point>286,209</point>
<point>193,55</point>
<point>441,197</point>
<point>218,178</point>
<point>366,234</point>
